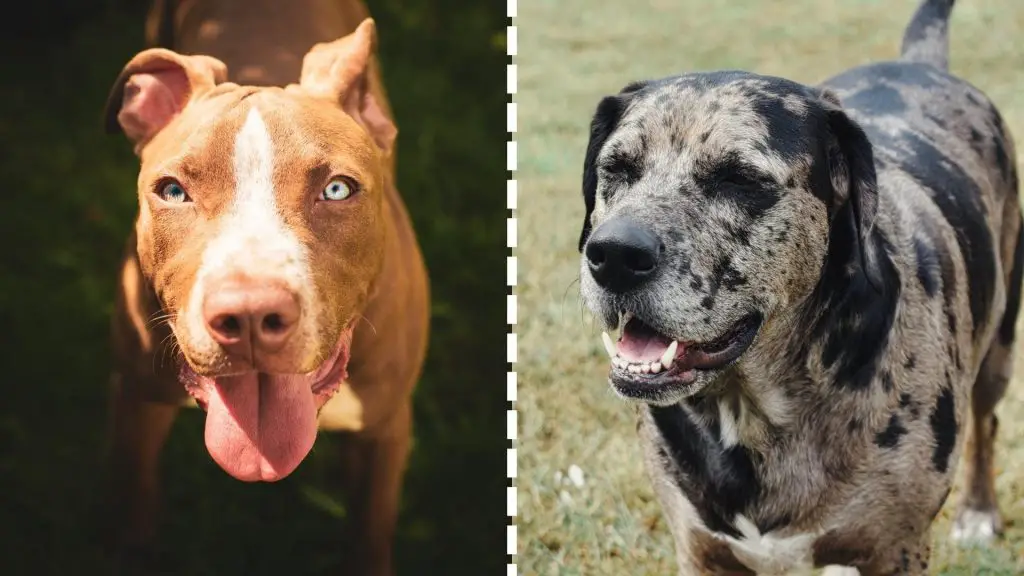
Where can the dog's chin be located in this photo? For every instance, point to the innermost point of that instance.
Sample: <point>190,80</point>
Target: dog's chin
<point>651,367</point>
<point>662,389</point>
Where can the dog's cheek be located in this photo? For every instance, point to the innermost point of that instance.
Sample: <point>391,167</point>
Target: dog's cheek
<point>348,253</point>
<point>805,244</point>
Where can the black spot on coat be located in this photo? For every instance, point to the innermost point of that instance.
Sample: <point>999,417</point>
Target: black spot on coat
<point>1008,327</point>
<point>927,266</point>
<point>877,100</point>
<point>944,429</point>
<point>959,199</point>
<point>890,437</point>
<point>730,179</point>
<point>719,482</point>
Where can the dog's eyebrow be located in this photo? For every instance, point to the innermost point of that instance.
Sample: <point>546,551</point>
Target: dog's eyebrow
<point>319,174</point>
<point>730,167</point>
<point>624,163</point>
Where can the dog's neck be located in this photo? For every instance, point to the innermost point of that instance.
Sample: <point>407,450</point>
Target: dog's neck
<point>795,365</point>
<point>755,400</point>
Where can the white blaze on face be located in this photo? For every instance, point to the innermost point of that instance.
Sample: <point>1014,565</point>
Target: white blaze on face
<point>252,237</point>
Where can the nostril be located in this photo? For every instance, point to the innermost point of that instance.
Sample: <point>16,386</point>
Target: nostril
<point>274,323</point>
<point>227,325</point>
<point>640,261</point>
<point>595,254</point>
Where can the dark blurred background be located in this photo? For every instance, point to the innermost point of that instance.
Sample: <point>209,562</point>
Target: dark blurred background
<point>67,201</point>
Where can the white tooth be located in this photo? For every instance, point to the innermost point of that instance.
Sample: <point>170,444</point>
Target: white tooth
<point>655,367</point>
<point>670,354</point>
<point>608,345</point>
<point>626,317</point>
<point>645,368</point>
<point>634,369</point>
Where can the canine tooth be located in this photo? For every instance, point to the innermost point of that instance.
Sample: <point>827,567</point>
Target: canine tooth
<point>655,367</point>
<point>626,317</point>
<point>608,345</point>
<point>669,354</point>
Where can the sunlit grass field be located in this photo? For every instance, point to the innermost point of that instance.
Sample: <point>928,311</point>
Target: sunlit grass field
<point>602,517</point>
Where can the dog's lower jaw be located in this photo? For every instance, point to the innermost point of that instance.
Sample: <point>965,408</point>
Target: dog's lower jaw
<point>681,370</point>
<point>665,394</point>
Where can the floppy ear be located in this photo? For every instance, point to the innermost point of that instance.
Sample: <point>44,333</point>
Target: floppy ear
<point>154,87</point>
<point>341,71</point>
<point>852,172</point>
<point>605,121</point>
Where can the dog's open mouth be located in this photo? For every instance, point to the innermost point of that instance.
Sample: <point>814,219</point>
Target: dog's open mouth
<point>646,363</point>
<point>261,426</point>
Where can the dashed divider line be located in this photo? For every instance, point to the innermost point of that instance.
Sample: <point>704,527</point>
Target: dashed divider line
<point>512,273</point>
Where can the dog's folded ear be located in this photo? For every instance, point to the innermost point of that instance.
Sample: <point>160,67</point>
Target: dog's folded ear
<point>852,172</point>
<point>605,121</point>
<point>154,87</point>
<point>341,71</point>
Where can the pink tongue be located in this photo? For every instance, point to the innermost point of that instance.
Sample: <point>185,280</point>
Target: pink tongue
<point>260,427</point>
<point>639,343</point>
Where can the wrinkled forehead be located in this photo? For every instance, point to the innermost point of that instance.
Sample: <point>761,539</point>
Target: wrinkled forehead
<point>240,130</point>
<point>768,121</point>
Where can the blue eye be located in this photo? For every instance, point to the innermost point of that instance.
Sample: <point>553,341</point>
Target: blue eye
<point>337,189</point>
<point>174,193</point>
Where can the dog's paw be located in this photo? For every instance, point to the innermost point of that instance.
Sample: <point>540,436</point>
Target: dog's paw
<point>974,527</point>
<point>834,570</point>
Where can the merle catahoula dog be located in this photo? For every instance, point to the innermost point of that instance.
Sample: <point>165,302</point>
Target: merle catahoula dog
<point>812,285</point>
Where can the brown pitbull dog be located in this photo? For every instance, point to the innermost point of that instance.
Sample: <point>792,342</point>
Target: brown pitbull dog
<point>273,277</point>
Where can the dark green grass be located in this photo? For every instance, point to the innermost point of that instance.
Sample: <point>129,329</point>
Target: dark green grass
<point>67,200</point>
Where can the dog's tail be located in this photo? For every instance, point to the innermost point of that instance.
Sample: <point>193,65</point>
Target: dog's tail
<point>926,39</point>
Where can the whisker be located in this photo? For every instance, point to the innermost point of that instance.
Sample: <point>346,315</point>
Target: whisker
<point>157,319</point>
<point>174,350</point>
<point>372,327</point>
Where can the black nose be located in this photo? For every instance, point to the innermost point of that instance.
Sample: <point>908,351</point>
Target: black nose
<point>622,254</point>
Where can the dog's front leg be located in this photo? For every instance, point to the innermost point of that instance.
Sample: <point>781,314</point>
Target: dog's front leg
<point>374,464</point>
<point>139,430</point>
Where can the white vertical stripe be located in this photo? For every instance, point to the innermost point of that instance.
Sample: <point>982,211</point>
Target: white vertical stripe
<point>511,383</point>
<point>513,348</point>
<point>511,466</point>
<point>512,499</point>
<point>512,305</point>
<point>512,309</point>
<point>512,226</point>
<point>512,271</point>
<point>512,114</point>
<point>513,76</point>
<point>512,541</point>
<point>512,40</point>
